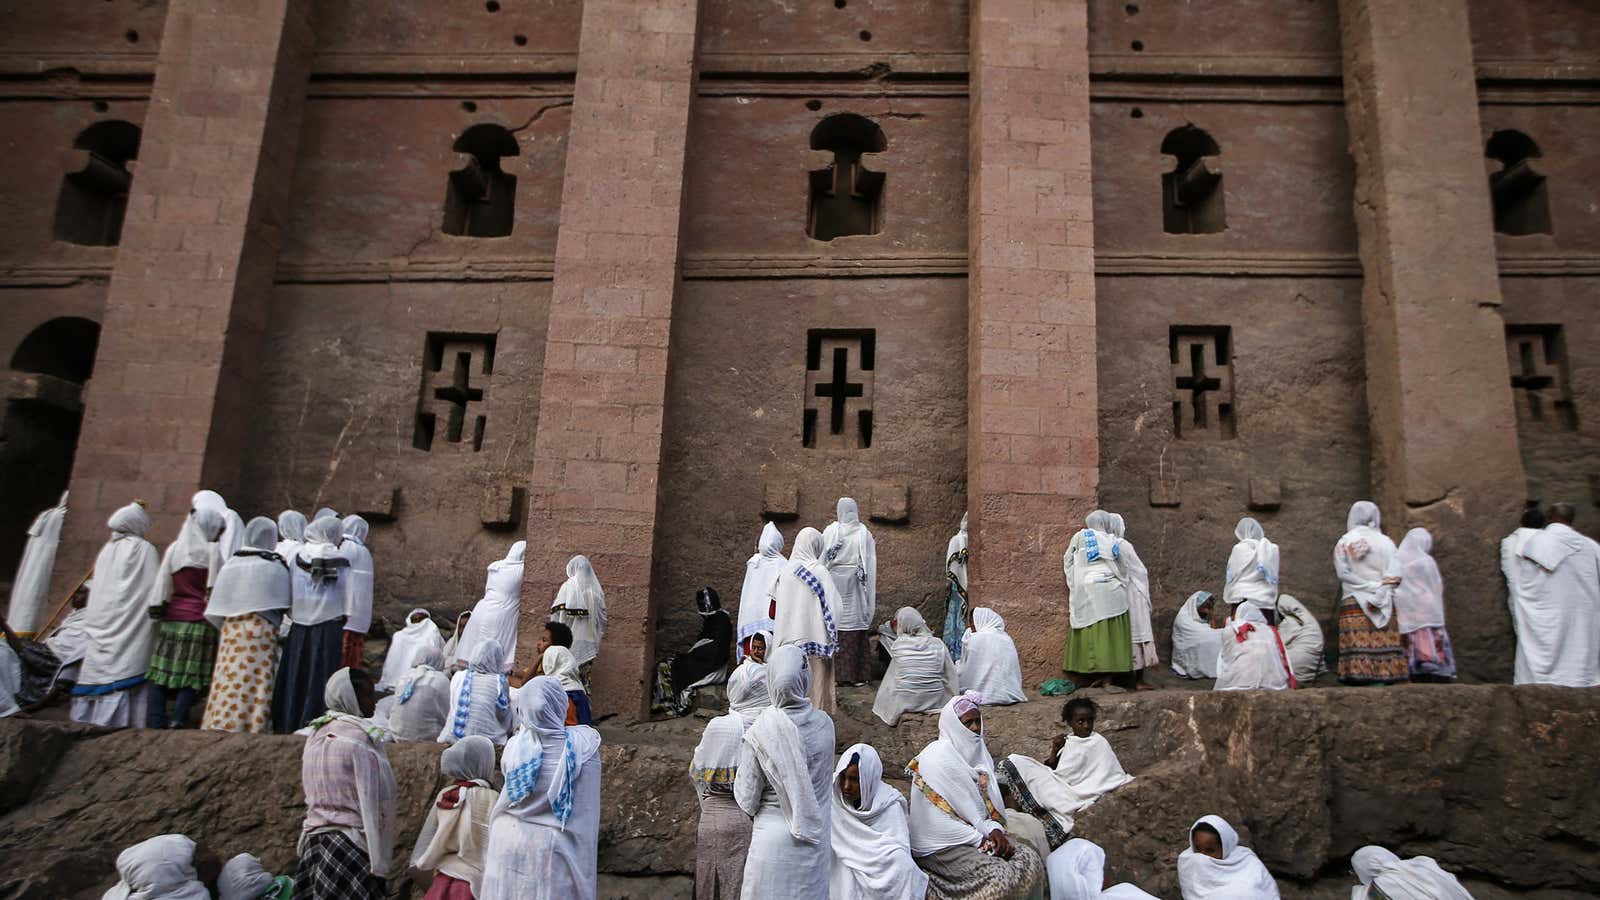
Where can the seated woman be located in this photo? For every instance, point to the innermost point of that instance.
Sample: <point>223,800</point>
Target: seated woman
<point>921,677</point>
<point>957,833</point>
<point>704,663</point>
<point>419,637</point>
<point>1085,768</point>
<point>989,663</point>
<point>480,697</point>
<point>244,878</point>
<point>1252,656</point>
<point>1078,872</point>
<point>1385,876</point>
<point>420,705</point>
<point>871,836</point>
<point>1215,867</point>
<point>560,664</point>
<point>1195,644</point>
<point>455,834</point>
<point>162,866</point>
<point>1302,639</point>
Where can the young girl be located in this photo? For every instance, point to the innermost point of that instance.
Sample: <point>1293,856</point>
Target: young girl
<point>1085,768</point>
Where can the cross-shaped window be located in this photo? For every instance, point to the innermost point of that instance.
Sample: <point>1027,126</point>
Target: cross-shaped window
<point>1202,396</point>
<point>838,389</point>
<point>1537,356</point>
<point>846,198</point>
<point>449,392</point>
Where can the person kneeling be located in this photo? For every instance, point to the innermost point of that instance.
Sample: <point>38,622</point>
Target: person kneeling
<point>1252,656</point>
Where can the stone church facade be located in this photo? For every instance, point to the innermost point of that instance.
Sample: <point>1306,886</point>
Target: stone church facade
<point>628,277</point>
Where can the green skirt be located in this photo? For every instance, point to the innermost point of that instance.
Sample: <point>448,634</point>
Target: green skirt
<point>184,655</point>
<point>1105,646</point>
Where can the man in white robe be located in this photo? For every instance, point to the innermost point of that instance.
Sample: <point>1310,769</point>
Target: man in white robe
<point>30,590</point>
<point>761,572</point>
<point>851,556</point>
<point>1555,580</point>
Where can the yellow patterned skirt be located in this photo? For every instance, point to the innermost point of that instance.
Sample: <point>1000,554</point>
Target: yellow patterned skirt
<point>241,685</point>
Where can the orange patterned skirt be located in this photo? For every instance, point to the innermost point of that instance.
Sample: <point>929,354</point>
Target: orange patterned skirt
<point>241,685</point>
<point>1369,654</point>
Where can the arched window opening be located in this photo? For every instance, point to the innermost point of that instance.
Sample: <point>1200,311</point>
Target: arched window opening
<point>481,198</point>
<point>846,198</point>
<point>1521,200</point>
<point>94,199</point>
<point>1191,194</point>
<point>61,348</point>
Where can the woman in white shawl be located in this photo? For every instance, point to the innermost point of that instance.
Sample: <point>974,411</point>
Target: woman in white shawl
<point>580,604</point>
<point>347,839</point>
<point>1252,656</point>
<point>419,637</point>
<point>480,698</point>
<point>1215,867</point>
<point>1195,644</point>
<point>1101,642</point>
<point>955,574</point>
<point>1078,872</point>
<point>291,533</point>
<point>747,686</point>
<point>851,556</point>
<point>783,784</point>
<point>1370,650</point>
<point>1085,769</point>
<point>1419,610</point>
<point>1384,875</point>
<point>545,838</point>
<point>1301,634</point>
<point>358,589</point>
<point>1252,573</point>
<point>244,878</point>
<point>989,663</point>
<point>117,625</point>
<point>32,583</point>
<point>922,676</point>
<point>957,831</point>
<point>250,599</point>
<point>807,603</point>
<point>315,646</point>
<point>871,834</point>
<point>161,868</point>
<point>755,598</point>
<point>421,702</point>
<point>1139,604</point>
<point>185,653</point>
<point>495,616</point>
<point>455,834</point>
<point>723,837</point>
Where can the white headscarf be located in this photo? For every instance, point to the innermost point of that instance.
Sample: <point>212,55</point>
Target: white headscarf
<point>243,877</point>
<point>255,580</point>
<point>1252,573</point>
<point>760,574</point>
<point>192,549</point>
<point>807,600</point>
<point>747,687</point>
<point>1096,578</point>
<point>872,843</point>
<point>716,757</point>
<point>1417,878</point>
<point>957,766</point>
<point>496,614</point>
<point>921,676</point>
<point>1419,598</point>
<point>560,664</point>
<point>128,580</point>
<point>581,592</point>
<point>1195,644</point>
<point>326,512</point>
<point>850,546</point>
<point>421,700</point>
<point>359,581</point>
<point>1363,558</point>
<point>989,664</point>
<point>161,868</point>
<point>1238,875</point>
<point>1252,655</point>
<point>544,737</point>
<point>30,588</point>
<point>1078,869</point>
<point>1140,605</point>
<point>408,645</point>
<point>775,742</point>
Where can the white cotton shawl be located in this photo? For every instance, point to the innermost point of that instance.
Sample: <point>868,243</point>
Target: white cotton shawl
<point>1302,638</point>
<point>252,582</point>
<point>416,640</point>
<point>1139,602</point>
<point>1252,573</point>
<point>421,701</point>
<point>480,698</point>
<point>851,556</point>
<point>128,580</point>
<point>761,572</point>
<point>1096,579</point>
<point>1417,878</point>
<point>1419,597</point>
<point>317,602</point>
<point>230,538</point>
<point>716,758</point>
<point>1086,770</point>
<point>1555,605</point>
<point>195,544</point>
<point>747,688</point>
<point>953,565</point>
<point>359,579</point>
<point>805,618</point>
<point>1251,658</point>
<point>1195,644</point>
<point>921,677</point>
<point>1076,871</point>
<point>581,593</point>
<point>455,837</point>
<point>496,614</point>
<point>872,844</point>
<point>1363,558</point>
<point>957,766</point>
<point>244,878</point>
<point>989,663</point>
<point>1239,875</point>
<point>775,742</point>
<point>560,664</point>
<point>31,587</point>
<point>161,868</point>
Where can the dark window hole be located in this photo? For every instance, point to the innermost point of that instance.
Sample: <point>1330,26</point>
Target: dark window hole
<point>132,36</point>
<point>839,4</point>
<point>866,35</point>
<point>1138,46</point>
<point>1136,113</point>
<point>492,6</point>
<point>469,106</point>
<point>813,105</point>
<point>101,106</point>
<point>520,40</point>
<point>1131,9</point>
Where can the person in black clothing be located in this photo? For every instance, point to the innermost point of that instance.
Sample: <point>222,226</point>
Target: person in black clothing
<point>705,662</point>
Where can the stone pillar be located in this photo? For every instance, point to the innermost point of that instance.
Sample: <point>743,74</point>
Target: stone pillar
<point>1033,435</point>
<point>598,448</point>
<point>1443,428</point>
<point>170,403</point>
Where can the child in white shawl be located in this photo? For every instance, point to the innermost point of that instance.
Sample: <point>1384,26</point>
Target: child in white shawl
<point>1252,656</point>
<point>455,835</point>
<point>161,867</point>
<point>760,575</point>
<point>421,702</point>
<point>871,834</point>
<point>1086,768</point>
<point>1252,573</point>
<point>580,604</point>
<point>921,677</point>
<point>783,784</point>
<point>1417,878</point>
<point>1419,609</point>
<point>1195,644</point>
<point>722,839</point>
<point>495,615</point>
<point>480,698</point>
<point>419,637</point>
<point>989,663</point>
<point>1215,867</point>
<point>1078,871</point>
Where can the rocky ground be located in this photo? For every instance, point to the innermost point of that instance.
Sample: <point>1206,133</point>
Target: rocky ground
<point>1496,782</point>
